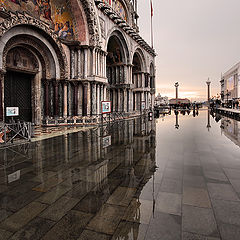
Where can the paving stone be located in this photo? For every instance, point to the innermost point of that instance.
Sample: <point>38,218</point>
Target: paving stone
<point>236,184</point>
<point>4,234</point>
<point>164,226</point>
<point>53,195</point>
<point>222,191</point>
<point>58,209</point>
<point>193,170</point>
<point>194,181</point>
<point>171,185</point>
<point>33,230</point>
<point>147,191</point>
<point>227,211</point>
<point>169,203</point>
<point>173,173</point>
<point>216,176</point>
<point>22,200</point>
<point>229,232</point>
<point>122,196</point>
<point>196,197</point>
<point>130,231</point>
<point>69,227</point>
<point>143,207</point>
<point>199,220</point>
<point>90,235</point>
<point>107,219</point>
<point>23,216</point>
<point>92,202</point>
<point>232,173</point>
<point>4,214</point>
<point>191,236</point>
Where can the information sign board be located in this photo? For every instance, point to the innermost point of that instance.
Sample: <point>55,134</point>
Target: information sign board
<point>106,107</point>
<point>12,111</point>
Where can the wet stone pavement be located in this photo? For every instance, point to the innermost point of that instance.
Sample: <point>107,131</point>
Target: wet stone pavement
<point>174,178</point>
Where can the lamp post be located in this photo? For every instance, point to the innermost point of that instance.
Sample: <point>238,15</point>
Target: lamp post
<point>208,90</point>
<point>176,86</point>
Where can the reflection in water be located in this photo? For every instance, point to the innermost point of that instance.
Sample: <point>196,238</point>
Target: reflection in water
<point>208,120</point>
<point>231,129</point>
<point>82,166</point>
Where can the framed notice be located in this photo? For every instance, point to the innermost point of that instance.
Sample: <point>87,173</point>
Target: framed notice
<point>14,176</point>
<point>106,107</point>
<point>107,141</point>
<point>12,111</point>
<point>143,105</point>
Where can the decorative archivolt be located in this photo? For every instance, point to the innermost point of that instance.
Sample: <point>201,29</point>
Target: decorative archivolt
<point>17,19</point>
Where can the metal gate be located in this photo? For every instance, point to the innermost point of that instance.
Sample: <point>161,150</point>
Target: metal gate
<point>17,93</point>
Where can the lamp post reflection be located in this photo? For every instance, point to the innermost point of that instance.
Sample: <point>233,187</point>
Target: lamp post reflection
<point>177,119</point>
<point>208,120</point>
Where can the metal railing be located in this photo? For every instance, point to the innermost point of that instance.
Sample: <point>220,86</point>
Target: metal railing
<point>15,131</point>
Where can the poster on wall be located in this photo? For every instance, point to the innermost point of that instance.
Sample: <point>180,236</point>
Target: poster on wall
<point>143,105</point>
<point>107,141</point>
<point>56,13</point>
<point>12,111</point>
<point>106,107</point>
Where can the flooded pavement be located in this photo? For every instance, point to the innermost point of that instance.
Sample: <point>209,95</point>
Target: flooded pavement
<point>176,178</point>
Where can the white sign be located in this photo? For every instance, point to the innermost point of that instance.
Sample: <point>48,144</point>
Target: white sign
<point>12,111</point>
<point>106,107</point>
<point>14,176</point>
<point>107,141</point>
<point>143,105</point>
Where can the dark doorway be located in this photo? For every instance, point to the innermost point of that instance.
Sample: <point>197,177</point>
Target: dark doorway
<point>17,93</point>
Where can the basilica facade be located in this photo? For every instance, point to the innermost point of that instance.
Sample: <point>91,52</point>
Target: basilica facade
<point>60,59</point>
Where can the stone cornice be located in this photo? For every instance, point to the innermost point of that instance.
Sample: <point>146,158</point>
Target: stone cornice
<point>124,25</point>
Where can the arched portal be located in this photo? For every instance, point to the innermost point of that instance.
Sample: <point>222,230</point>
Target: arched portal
<point>117,72</point>
<point>138,82</point>
<point>32,68</point>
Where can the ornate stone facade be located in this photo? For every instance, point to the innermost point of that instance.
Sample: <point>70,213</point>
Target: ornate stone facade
<point>96,55</point>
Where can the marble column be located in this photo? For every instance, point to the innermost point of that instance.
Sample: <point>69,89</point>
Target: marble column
<point>120,100</point>
<point>80,99</point>
<point>1,94</point>
<point>86,97</point>
<point>85,71</point>
<point>104,93</point>
<point>79,61</point>
<point>125,100</point>
<point>46,85</point>
<point>94,99</point>
<point>98,99</point>
<point>94,61</point>
<point>65,99</point>
<point>75,97</point>
<point>56,101</point>
<point>72,62</point>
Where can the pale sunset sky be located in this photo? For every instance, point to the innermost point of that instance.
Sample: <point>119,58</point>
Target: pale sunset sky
<point>194,40</point>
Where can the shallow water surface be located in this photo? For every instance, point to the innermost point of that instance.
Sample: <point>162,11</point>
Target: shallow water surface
<point>174,178</point>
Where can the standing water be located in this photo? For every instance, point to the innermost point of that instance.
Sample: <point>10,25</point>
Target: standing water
<point>174,178</point>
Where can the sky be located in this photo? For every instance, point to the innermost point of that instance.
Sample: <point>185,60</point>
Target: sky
<point>194,40</point>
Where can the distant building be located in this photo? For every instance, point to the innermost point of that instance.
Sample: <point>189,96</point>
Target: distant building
<point>179,101</point>
<point>159,100</point>
<point>230,84</point>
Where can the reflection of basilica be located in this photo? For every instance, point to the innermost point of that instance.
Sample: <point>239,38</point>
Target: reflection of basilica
<point>231,129</point>
<point>95,174</point>
<point>61,59</point>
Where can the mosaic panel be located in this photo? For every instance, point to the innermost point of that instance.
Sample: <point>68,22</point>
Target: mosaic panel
<point>55,12</point>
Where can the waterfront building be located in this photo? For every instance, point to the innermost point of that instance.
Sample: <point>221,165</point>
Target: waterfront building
<point>161,101</point>
<point>60,59</point>
<point>230,84</point>
<point>179,101</point>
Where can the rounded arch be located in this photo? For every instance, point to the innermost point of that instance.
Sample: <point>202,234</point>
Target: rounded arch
<point>20,23</point>
<point>152,69</point>
<point>139,56</point>
<point>43,46</point>
<point>116,34</point>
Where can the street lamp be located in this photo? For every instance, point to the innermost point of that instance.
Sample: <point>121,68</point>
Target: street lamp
<point>208,85</point>
<point>176,86</point>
